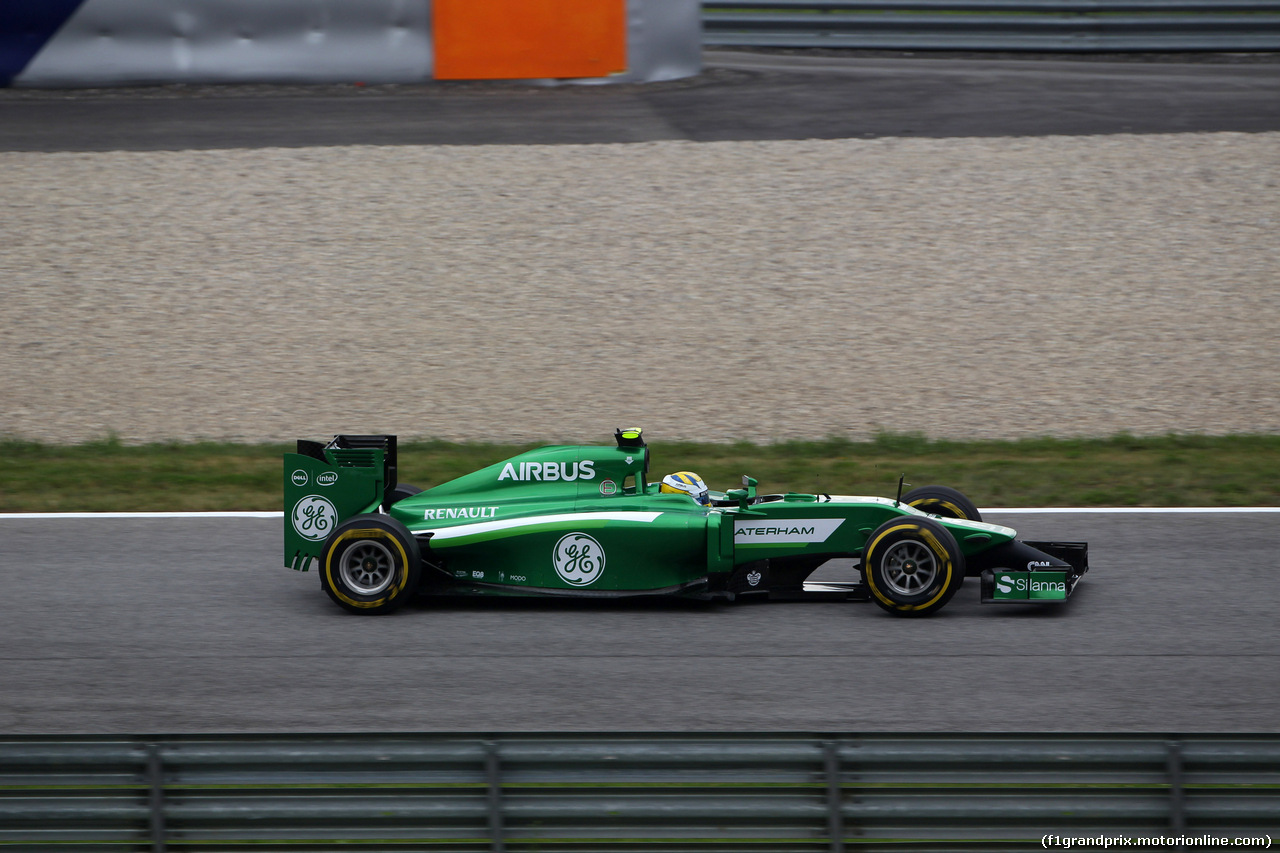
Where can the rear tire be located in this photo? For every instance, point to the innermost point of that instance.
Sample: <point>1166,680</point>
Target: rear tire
<point>942,500</point>
<point>370,564</point>
<point>912,566</point>
<point>402,491</point>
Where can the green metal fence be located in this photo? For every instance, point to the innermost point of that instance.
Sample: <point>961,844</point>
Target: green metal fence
<point>999,25</point>
<point>775,792</point>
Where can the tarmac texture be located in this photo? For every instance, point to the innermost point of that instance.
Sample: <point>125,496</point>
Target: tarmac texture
<point>162,625</point>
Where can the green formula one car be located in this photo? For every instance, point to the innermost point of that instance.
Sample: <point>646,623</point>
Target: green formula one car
<point>586,521</point>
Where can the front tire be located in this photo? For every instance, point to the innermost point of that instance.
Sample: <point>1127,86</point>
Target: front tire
<point>944,501</point>
<point>912,566</point>
<point>370,564</point>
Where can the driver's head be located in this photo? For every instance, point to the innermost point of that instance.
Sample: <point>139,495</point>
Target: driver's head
<point>686,483</point>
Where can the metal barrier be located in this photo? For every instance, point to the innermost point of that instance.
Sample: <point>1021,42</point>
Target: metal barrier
<point>77,43</point>
<point>1004,25</point>
<point>771,792</point>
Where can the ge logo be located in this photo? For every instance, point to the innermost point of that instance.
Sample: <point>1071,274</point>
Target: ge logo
<point>314,517</point>
<point>299,477</point>
<point>579,559</point>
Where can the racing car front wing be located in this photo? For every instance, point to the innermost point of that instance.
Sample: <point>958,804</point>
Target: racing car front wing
<point>1035,572</point>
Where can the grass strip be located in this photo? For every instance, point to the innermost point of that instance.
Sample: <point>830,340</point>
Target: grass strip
<point>1123,470</point>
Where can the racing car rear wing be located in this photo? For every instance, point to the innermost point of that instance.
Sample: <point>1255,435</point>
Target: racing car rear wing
<point>352,451</point>
<point>325,484</point>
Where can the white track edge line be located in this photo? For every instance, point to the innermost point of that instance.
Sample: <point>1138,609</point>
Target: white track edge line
<point>1121,510</point>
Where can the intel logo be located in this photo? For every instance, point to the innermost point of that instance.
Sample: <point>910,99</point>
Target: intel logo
<point>328,478</point>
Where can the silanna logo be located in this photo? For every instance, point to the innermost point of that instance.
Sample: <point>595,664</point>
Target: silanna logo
<point>1006,585</point>
<point>549,471</point>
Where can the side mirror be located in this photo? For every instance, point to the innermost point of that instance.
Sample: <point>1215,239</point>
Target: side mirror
<point>744,495</point>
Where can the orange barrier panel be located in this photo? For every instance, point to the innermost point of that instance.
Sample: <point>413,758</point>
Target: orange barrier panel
<point>518,39</point>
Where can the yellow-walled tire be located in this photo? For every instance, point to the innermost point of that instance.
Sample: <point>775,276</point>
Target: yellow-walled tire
<point>370,564</point>
<point>912,566</point>
<point>944,501</point>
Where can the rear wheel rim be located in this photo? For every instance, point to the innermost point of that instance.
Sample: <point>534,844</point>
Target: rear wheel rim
<point>367,567</point>
<point>909,567</point>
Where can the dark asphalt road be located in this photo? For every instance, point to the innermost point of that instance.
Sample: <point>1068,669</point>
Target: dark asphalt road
<point>741,96</point>
<point>161,625</point>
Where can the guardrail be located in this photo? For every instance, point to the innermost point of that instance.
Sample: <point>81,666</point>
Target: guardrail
<point>551,793</point>
<point>1000,25</point>
<point>78,43</point>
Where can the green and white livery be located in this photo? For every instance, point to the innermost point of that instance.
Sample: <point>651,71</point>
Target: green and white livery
<point>586,521</point>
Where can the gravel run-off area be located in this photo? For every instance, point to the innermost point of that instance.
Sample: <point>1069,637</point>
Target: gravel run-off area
<point>966,288</point>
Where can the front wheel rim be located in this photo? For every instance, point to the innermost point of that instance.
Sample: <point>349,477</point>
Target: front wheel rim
<point>909,567</point>
<point>367,567</point>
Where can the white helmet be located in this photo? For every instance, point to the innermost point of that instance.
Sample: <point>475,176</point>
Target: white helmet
<point>686,483</point>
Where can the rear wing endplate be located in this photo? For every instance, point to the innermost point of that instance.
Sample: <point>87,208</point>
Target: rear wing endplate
<point>325,484</point>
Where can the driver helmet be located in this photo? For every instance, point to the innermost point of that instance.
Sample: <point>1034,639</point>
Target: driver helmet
<point>686,483</point>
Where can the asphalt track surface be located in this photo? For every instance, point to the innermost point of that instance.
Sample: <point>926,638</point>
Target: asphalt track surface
<point>192,625</point>
<point>741,96</point>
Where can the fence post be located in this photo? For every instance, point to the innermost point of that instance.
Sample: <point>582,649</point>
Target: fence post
<point>155,780</point>
<point>494,779</point>
<point>1177,795</point>
<point>835,816</point>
